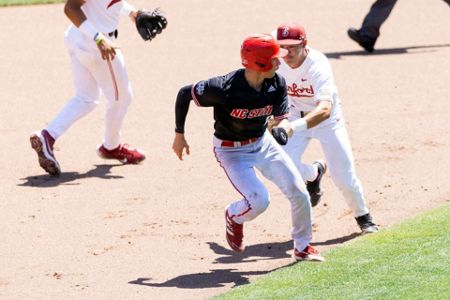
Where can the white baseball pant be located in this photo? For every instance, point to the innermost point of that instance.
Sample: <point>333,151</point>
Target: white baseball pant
<point>92,75</point>
<point>268,157</point>
<point>339,156</point>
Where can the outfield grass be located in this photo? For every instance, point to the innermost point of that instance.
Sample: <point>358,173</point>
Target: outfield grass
<point>407,261</point>
<point>27,2</point>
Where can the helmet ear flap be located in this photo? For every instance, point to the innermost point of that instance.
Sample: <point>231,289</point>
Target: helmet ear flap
<point>260,64</point>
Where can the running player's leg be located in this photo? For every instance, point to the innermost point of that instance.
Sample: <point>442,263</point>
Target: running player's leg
<point>112,78</point>
<point>85,99</point>
<point>379,12</point>
<point>278,167</point>
<point>238,166</point>
<point>338,154</point>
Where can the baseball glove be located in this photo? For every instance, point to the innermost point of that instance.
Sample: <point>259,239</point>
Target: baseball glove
<point>150,23</point>
<point>280,135</point>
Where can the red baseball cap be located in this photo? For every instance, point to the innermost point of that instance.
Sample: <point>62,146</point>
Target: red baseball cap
<point>290,34</point>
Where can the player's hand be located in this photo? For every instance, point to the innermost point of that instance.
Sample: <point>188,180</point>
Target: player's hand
<point>107,49</point>
<point>133,16</point>
<point>179,145</point>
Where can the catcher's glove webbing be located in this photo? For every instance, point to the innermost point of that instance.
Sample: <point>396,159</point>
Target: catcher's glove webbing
<point>150,23</point>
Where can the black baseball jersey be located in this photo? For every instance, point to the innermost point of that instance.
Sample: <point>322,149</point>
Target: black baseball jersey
<point>240,112</point>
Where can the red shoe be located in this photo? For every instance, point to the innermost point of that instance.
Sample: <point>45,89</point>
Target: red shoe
<point>123,153</point>
<point>234,234</point>
<point>42,142</point>
<point>308,254</point>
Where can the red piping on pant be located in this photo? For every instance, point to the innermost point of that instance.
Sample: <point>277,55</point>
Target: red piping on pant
<point>246,200</point>
<point>111,71</point>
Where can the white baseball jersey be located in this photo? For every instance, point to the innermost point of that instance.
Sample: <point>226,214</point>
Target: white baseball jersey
<point>104,14</point>
<point>310,83</point>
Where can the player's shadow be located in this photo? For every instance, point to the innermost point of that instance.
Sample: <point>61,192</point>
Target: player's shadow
<point>339,240</point>
<point>400,50</point>
<point>266,251</point>
<point>45,181</point>
<point>221,277</point>
<point>213,279</point>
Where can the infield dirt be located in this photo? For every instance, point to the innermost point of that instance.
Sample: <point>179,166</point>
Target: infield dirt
<point>103,230</point>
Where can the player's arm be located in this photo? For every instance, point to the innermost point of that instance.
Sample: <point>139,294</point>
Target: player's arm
<point>280,123</point>
<point>205,94</point>
<point>323,82</point>
<point>73,11</point>
<point>315,117</point>
<point>180,144</point>
<point>129,11</point>
<point>319,114</point>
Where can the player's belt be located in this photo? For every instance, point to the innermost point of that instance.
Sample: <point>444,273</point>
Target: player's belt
<point>114,34</point>
<point>238,143</point>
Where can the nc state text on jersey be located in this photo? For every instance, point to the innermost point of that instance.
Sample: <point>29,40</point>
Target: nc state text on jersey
<point>242,113</point>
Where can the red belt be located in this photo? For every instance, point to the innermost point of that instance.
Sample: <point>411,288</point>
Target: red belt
<point>238,143</point>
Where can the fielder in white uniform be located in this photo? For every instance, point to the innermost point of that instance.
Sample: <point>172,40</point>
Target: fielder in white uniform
<point>98,67</point>
<point>315,113</point>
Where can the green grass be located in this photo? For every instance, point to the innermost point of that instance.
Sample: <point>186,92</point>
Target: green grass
<point>407,261</point>
<point>27,2</point>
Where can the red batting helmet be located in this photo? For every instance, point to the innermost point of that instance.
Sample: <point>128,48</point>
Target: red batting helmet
<point>257,52</point>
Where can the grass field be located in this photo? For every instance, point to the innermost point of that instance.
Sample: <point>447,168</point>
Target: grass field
<point>407,261</point>
<point>27,2</point>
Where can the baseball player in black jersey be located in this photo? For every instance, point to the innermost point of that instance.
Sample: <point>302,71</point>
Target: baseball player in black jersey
<point>243,101</point>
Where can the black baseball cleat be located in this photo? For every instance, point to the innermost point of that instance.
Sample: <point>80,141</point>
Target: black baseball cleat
<point>313,187</point>
<point>366,224</point>
<point>366,42</point>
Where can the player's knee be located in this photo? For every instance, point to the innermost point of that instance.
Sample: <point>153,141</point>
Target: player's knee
<point>260,201</point>
<point>126,97</point>
<point>90,102</point>
<point>298,194</point>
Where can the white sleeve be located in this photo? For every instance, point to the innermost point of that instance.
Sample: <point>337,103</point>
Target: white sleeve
<point>324,83</point>
<point>127,8</point>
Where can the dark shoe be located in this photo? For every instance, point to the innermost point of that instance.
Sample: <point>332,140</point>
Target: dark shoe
<point>364,41</point>
<point>308,254</point>
<point>42,142</point>
<point>366,224</point>
<point>313,187</point>
<point>234,234</point>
